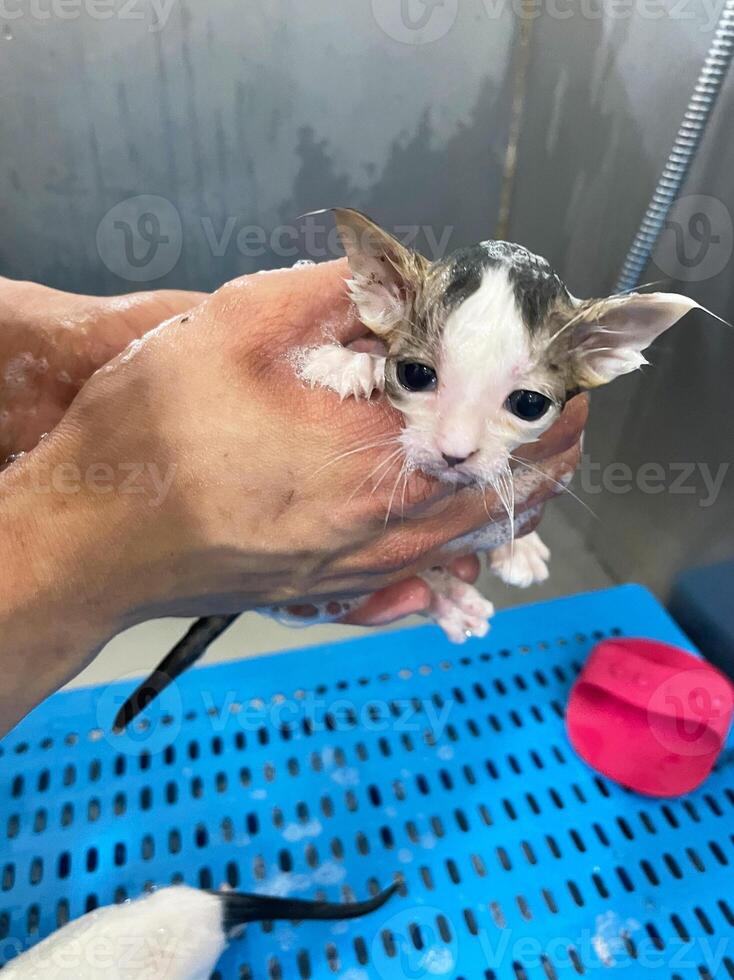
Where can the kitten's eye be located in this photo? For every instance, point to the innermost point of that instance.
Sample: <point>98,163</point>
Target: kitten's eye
<point>528,405</point>
<point>416,376</point>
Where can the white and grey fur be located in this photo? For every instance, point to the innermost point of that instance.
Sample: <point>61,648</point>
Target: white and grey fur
<point>175,933</point>
<point>490,319</point>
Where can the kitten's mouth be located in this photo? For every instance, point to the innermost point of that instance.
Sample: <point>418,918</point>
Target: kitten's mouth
<point>447,474</point>
<point>458,476</point>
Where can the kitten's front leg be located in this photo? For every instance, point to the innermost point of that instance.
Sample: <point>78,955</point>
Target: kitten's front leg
<point>523,563</point>
<point>345,371</point>
<point>456,606</point>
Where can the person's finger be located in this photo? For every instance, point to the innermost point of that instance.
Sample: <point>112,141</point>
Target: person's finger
<point>384,606</point>
<point>408,597</point>
<point>289,307</point>
<point>393,602</point>
<point>325,308</point>
<point>466,568</point>
<point>562,435</point>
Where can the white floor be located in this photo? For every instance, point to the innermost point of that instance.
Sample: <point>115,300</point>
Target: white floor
<point>138,650</point>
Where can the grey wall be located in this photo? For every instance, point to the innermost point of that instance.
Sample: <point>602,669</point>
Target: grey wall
<point>240,114</point>
<point>606,97</point>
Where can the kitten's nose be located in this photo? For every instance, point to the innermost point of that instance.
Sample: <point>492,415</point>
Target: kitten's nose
<point>454,460</point>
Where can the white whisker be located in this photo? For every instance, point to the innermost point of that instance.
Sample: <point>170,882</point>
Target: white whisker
<point>382,478</point>
<point>509,502</point>
<point>500,489</point>
<point>394,491</point>
<point>406,475</point>
<point>564,488</point>
<point>351,452</point>
<point>483,491</point>
<point>375,470</point>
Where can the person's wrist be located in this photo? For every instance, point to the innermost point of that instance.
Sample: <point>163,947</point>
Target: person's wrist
<point>73,572</point>
<point>62,544</point>
<point>46,639</point>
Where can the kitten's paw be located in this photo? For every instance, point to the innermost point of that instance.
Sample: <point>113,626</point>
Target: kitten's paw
<point>457,607</point>
<point>523,565</point>
<point>345,371</point>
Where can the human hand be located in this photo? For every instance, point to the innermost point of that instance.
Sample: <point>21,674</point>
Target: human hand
<point>249,489</point>
<point>51,342</point>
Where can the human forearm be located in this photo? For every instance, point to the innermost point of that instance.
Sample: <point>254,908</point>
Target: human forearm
<point>52,618</point>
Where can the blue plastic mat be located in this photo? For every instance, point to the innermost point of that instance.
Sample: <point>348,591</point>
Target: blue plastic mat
<point>328,771</point>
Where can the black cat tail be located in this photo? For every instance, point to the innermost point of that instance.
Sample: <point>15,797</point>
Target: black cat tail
<point>186,652</point>
<point>239,908</point>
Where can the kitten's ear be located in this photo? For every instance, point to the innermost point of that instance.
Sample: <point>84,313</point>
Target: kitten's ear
<point>610,334</point>
<point>385,274</point>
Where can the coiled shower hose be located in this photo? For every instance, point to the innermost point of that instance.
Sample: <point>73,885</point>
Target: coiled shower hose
<point>683,151</point>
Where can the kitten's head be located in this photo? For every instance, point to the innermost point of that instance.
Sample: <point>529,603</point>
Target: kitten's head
<point>485,347</point>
